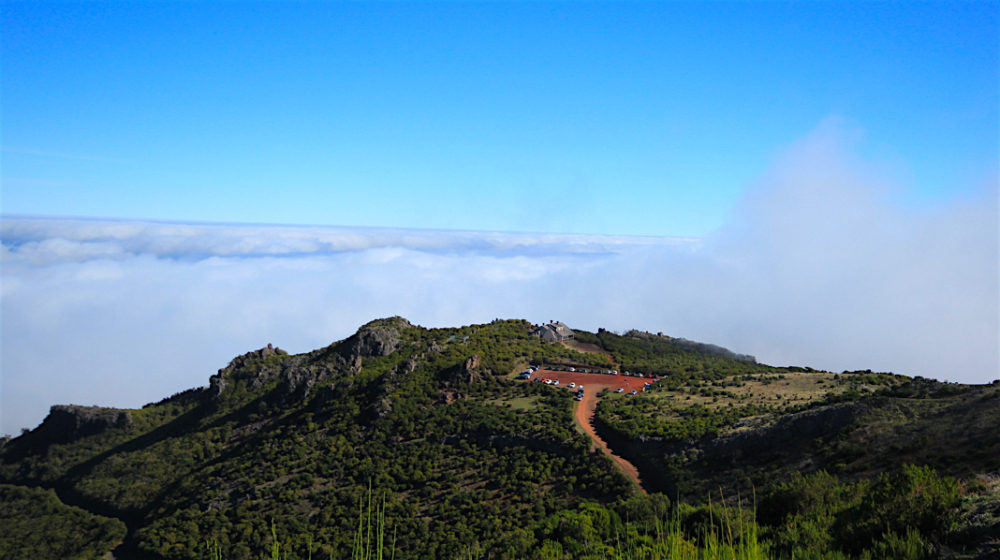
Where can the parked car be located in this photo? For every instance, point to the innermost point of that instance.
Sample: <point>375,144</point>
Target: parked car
<point>619,390</point>
<point>571,384</point>
<point>634,392</point>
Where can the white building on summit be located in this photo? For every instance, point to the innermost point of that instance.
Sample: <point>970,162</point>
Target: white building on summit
<point>553,332</point>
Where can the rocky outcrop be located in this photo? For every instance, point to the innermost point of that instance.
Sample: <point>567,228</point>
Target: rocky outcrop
<point>470,371</point>
<point>298,375</point>
<point>259,367</point>
<point>251,367</point>
<point>67,423</point>
<point>297,382</point>
<point>240,362</point>
<point>378,338</point>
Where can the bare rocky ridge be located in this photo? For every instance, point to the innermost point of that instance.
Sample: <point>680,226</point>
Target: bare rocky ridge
<point>241,367</point>
<point>378,338</point>
<point>299,374</point>
<point>67,423</point>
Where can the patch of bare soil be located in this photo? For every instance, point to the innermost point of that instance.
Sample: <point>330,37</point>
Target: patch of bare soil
<point>585,347</point>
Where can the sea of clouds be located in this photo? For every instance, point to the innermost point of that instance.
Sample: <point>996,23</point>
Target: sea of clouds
<point>818,267</point>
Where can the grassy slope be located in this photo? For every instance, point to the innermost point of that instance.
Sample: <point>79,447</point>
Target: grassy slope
<point>742,431</point>
<point>468,458</point>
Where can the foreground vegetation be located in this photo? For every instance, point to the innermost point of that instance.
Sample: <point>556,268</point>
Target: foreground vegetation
<point>35,524</point>
<point>902,515</point>
<point>275,456</point>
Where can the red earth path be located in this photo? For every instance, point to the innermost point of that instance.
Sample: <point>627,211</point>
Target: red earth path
<point>584,412</point>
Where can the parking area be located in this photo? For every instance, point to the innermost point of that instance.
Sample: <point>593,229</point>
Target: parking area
<point>592,381</point>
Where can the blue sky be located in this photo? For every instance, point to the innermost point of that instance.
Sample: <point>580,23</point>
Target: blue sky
<point>618,118</point>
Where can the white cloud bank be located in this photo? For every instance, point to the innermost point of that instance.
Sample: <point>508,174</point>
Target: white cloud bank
<point>818,267</point>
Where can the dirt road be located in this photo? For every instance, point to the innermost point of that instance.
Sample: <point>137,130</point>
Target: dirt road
<point>584,412</point>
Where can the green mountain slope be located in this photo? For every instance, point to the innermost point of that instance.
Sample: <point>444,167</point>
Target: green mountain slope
<point>467,461</point>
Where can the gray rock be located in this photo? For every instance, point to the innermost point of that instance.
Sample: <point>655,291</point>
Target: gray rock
<point>378,338</point>
<point>247,367</point>
<point>67,423</point>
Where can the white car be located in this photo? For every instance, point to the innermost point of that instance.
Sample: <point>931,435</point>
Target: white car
<point>556,382</point>
<point>619,390</point>
<point>571,384</point>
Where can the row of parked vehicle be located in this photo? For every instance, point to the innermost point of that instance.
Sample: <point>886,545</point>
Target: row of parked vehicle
<point>603,371</point>
<point>526,374</point>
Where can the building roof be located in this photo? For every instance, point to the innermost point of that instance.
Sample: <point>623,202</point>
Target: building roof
<point>553,332</point>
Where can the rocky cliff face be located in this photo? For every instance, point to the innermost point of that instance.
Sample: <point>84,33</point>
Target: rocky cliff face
<point>299,374</point>
<point>378,338</point>
<point>67,423</point>
<point>251,367</point>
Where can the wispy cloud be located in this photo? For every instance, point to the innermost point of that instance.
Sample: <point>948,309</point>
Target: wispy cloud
<point>26,237</point>
<point>817,267</point>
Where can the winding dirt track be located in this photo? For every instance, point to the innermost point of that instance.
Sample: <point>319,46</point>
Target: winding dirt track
<point>584,412</point>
